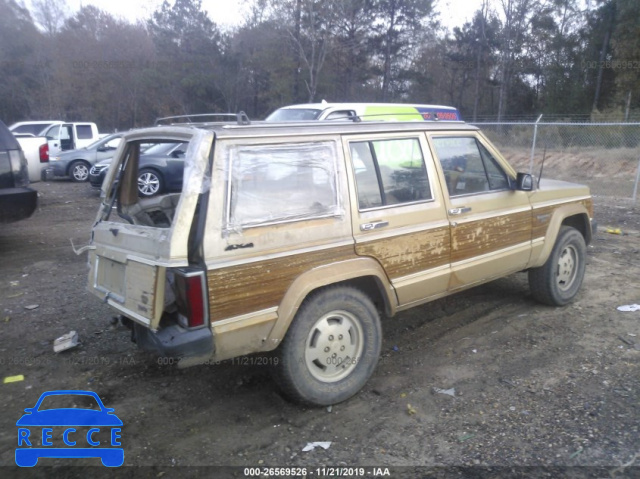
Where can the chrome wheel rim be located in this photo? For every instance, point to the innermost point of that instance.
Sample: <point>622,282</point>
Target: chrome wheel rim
<point>334,346</point>
<point>567,268</point>
<point>80,172</point>
<point>148,184</point>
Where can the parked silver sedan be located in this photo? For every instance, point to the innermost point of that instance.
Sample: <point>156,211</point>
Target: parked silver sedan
<point>76,164</point>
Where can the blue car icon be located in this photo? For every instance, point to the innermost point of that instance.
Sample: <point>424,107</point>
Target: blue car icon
<point>69,432</point>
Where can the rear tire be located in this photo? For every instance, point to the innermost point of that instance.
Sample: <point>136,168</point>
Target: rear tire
<point>331,348</point>
<point>557,282</point>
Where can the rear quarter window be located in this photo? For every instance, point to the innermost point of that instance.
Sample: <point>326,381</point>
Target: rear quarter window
<point>269,184</point>
<point>84,132</point>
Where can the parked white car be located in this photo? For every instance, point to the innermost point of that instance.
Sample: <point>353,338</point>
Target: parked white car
<point>36,152</point>
<point>33,128</point>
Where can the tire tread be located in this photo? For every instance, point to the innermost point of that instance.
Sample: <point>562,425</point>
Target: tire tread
<point>284,373</point>
<point>540,279</point>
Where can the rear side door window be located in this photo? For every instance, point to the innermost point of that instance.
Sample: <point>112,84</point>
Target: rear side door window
<point>389,172</point>
<point>341,115</point>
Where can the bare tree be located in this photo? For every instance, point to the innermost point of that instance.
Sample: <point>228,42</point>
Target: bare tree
<point>311,27</point>
<point>517,14</point>
<point>482,15</point>
<point>50,15</point>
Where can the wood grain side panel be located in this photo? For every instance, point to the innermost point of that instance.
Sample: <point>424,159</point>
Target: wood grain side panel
<point>411,253</point>
<point>476,238</point>
<point>542,216</point>
<point>540,221</point>
<point>244,289</point>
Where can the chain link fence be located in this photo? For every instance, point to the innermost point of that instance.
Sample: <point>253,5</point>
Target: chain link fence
<point>605,156</point>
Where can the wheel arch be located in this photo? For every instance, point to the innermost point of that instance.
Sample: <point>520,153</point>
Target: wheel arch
<point>581,223</point>
<point>573,215</point>
<point>76,160</point>
<point>153,168</point>
<point>365,274</point>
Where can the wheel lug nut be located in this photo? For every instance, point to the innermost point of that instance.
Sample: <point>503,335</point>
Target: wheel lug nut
<point>334,355</point>
<point>331,337</point>
<point>327,349</point>
<point>342,348</point>
<point>340,337</point>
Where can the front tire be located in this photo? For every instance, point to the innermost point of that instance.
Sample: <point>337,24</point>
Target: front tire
<point>79,171</point>
<point>331,348</point>
<point>557,282</point>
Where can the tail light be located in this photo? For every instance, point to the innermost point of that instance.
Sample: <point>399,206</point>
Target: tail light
<point>44,153</point>
<point>191,298</point>
<point>19,168</point>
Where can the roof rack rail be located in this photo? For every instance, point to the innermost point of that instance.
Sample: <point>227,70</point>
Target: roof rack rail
<point>241,118</point>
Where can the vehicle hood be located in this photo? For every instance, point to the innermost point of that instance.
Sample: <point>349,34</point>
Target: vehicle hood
<point>106,162</point>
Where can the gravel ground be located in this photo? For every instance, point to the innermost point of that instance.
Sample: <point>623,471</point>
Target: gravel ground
<point>486,383</point>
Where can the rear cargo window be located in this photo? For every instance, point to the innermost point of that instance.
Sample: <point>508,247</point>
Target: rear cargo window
<point>277,183</point>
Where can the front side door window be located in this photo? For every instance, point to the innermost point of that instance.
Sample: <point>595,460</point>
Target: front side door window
<point>468,166</point>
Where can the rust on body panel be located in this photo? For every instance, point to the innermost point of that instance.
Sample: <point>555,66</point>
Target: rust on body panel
<point>411,253</point>
<point>247,288</point>
<point>488,235</point>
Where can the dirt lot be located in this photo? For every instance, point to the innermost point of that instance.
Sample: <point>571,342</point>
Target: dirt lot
<point>538,390</point>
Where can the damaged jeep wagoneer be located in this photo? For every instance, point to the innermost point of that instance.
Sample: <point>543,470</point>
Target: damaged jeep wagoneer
<point>295,238</point>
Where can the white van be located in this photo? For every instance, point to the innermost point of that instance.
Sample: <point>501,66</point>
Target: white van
<point>365,112</point>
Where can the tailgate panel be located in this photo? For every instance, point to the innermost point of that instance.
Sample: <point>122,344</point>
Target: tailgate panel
<point>131,287</point>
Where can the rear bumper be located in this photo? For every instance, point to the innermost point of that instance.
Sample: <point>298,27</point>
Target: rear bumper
<point>191,346</point>
<point>54,170</point>
<point>17,204</point>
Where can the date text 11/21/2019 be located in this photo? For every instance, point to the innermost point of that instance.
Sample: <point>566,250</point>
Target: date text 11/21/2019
<point>325,471</point>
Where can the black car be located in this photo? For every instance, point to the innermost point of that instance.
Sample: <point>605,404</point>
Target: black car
<point>17,201</point>
<point>161,169</point>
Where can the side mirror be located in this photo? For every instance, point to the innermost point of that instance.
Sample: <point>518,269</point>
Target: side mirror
<point>177,154</point>
<point>524,182</point>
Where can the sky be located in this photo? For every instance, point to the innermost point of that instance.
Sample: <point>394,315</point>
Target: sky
<point>229,13</point>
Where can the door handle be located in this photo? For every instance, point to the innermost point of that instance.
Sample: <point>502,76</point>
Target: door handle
<point>459,211</point>
<point>373,226</point>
